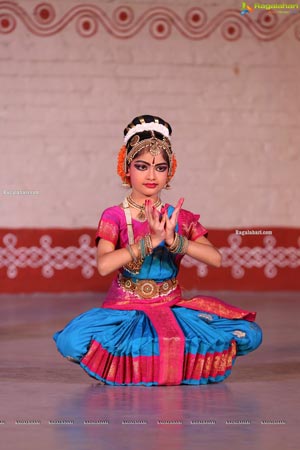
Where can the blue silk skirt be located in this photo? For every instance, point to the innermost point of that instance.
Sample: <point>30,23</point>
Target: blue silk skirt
<point>122,347</point>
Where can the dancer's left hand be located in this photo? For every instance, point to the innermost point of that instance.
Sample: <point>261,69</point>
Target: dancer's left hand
<point>156,223</point>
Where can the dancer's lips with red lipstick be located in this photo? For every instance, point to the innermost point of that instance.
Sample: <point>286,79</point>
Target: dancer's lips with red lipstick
<point>150,185</point>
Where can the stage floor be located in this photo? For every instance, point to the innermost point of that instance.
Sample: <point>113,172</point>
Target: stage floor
<point>49,403</point>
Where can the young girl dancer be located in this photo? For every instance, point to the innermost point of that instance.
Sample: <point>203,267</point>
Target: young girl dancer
<point>146,333</point>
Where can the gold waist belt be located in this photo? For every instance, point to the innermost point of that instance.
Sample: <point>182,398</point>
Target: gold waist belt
<point>147,288</point>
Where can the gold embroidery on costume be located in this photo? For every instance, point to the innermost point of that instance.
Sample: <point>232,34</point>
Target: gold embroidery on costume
<point>113,367</point>
<point>108,231</point>
<point>207,366</point>
<point>231,354</point>
<point>223,361</point>
<point>216,362</point>
<point>215,307</point>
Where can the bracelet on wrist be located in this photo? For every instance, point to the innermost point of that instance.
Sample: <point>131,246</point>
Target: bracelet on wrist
<point>149,244</point>
<point>145,248</point>
<point>179,245</point>
<point>135,264</point>
<point>170,245</point>
<point>131,252</point>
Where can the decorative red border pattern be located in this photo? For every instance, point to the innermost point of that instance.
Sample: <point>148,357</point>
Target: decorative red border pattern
<point>56,260</point>
<point>122,23</point>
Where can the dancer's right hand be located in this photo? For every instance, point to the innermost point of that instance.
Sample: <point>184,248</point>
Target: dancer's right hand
<point>156,223</point>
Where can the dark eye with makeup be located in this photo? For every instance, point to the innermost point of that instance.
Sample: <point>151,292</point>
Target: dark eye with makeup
<point>140,166</point>
<point>161,168</point>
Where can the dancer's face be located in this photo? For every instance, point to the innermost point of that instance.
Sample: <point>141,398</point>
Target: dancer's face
<point>148,174</point>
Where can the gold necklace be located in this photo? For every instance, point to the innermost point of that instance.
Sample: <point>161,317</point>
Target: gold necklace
<point>141,215</point>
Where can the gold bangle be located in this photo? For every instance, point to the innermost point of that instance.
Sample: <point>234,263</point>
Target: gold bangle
<point>180,245</point>
<point>131,252</point>
<point>174,246</point>
<point>171,245</point>
<point>185,246</point>
<point>149,245</point>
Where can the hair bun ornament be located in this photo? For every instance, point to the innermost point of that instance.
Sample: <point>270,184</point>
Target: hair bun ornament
<point>147,122</point>
<point>140,128</point>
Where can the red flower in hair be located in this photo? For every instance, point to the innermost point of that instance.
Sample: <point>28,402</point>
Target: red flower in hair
<point>121,162</point>
<point>174,166</point>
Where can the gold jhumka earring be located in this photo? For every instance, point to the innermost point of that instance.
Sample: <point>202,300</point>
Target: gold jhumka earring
<point>126,183</point>
<point>167,185</point>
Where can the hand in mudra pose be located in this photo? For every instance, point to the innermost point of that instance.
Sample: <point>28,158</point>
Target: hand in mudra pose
<point>162,227</point>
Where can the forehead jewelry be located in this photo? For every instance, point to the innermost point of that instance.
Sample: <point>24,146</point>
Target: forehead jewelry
<point>155,146</point>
